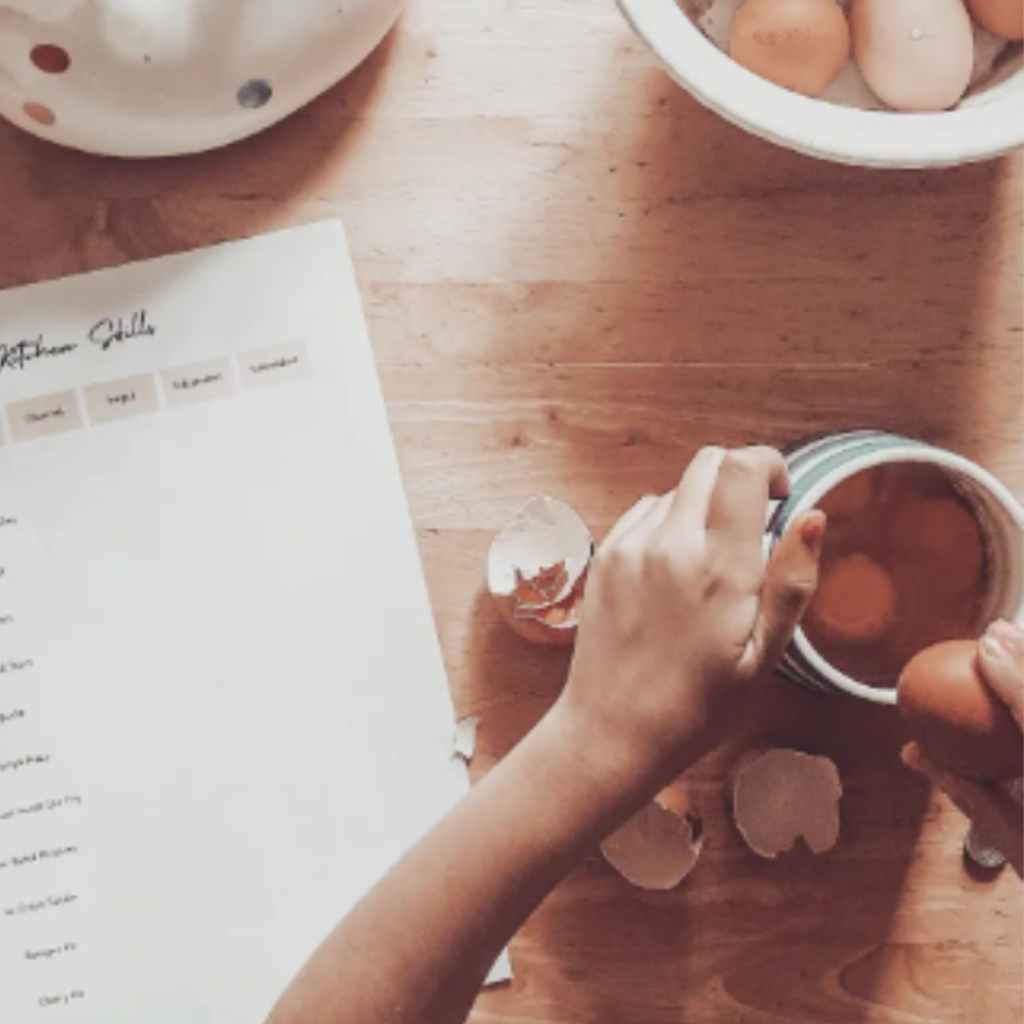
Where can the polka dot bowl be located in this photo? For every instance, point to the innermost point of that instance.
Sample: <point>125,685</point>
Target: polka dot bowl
<point>143,78</point>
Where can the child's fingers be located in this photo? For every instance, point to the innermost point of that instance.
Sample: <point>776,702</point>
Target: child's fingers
<point>789,585</point>
<point>1001,661</point>
<point>690,500</point>
<point>630,518</point>
<point>967,795</point>
<point>964,793</point>
<point>996,814</point>
<point>747,480</point>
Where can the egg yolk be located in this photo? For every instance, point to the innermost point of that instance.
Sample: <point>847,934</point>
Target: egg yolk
<point>856,600</point>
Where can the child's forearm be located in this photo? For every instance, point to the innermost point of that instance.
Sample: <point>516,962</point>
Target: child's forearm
<point>682,619</point>
<point>418,947</point>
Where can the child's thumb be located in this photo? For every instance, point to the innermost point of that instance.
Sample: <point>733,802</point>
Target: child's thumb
<point>790,582</point>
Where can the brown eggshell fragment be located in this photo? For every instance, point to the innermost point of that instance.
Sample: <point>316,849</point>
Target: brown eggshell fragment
<point>659,846</point>
<point>780,797</point>
<point>542,588</point>
<point>537,569</point>
<point>955,718</point>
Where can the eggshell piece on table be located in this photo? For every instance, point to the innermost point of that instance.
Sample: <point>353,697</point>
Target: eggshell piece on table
<point>659,846</point>
<point>537,570</point>
<point>781,797</point>
<point>980,852</point>
<point>464,739</point>
<point>855,602</point>
<point>917,55</point>
<point>1003,18</point>
<point>954,716</point>
<point>801,45</point>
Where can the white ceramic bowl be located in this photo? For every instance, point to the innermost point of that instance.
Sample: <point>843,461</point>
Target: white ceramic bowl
<point>986,124</point>
<point>140,78</point>
<point>818,466</point>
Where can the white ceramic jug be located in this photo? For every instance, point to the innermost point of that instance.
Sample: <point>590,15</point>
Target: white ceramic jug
<point>157,77</point>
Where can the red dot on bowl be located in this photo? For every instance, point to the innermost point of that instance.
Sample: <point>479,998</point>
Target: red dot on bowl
<point>54,60</point>
<point>39,113</point>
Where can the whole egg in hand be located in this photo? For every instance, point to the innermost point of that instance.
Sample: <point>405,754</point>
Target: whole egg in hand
<point>801,45</point>
<point>954,716</point>
<point>916,55</point>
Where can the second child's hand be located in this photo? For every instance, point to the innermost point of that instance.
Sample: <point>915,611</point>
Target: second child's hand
<point>998,817</point>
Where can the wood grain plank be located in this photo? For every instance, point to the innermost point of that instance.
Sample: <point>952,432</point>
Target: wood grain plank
<point>575,276</point>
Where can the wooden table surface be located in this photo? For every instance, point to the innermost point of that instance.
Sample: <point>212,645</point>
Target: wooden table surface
<point>576,276</point>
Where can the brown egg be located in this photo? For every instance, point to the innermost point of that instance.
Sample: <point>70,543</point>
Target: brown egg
<point>959,723</point>
<point>1003,18</point>
<point>799,44</point>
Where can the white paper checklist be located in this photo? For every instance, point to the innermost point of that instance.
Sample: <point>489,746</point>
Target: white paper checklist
<point>223,710</point>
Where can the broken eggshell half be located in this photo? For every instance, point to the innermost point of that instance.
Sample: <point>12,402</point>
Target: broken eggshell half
<point>658,847</point>
<point>783,797</point>
<point>537,569</point>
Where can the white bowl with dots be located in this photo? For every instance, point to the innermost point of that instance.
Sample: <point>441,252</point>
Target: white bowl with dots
<point>157,77</point>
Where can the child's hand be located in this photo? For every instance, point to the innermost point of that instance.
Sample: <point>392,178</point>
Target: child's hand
<point>682,616</point>
<point>1001,660</point>
<point>679,621</point>
<point>998,817</point>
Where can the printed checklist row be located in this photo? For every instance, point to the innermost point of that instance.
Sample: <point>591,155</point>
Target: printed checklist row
<point>110,401</point>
